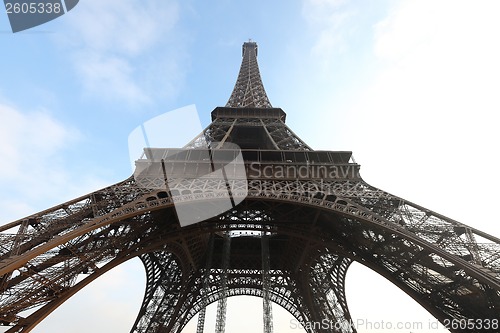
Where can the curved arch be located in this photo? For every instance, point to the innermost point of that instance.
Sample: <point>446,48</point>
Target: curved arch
<point>325,281</point>
<point>146,203</point>
<point>36,317</point>
<point>349,210</point>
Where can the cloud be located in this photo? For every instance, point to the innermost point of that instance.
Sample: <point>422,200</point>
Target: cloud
<point>110,75</point>
<point>123,26</point>
<point>330,20</point>
<point>28,137</point>
<point>122,50</point>
<point>33,169</point>
<point>434,104</point>
<point>433,61</point>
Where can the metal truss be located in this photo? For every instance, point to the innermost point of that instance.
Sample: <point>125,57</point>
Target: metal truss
<point>303,217</point>
<point>448,267</point>
<point>220,324</point>
<point>206,275</point>
<point>272,133</point>
<point>249,90</point>
<point>266,284</point>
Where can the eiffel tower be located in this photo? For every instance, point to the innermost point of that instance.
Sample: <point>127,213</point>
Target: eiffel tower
<point>291,229</point>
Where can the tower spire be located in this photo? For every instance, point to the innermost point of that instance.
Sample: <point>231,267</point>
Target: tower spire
<point>281,221</point>
<point>249,90</point>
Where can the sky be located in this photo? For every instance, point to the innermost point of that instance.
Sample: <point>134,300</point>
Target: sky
<point>410,86</point>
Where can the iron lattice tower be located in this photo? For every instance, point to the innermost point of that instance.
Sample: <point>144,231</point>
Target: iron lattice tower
<point>290,239</point>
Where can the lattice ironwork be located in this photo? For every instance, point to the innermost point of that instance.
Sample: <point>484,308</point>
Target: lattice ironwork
<point>304,217</point>
<point>249,90</point>
<point>234,125</point>
<point>266,284</point>
<point>220,323</point>
<point>206,275</point>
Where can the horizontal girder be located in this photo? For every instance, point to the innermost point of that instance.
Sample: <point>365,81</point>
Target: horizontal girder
<point>450,268</point>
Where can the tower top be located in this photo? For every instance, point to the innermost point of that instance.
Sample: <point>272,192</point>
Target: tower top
<point>249,91</point>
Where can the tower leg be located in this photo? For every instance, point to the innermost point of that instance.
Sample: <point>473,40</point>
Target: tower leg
<point>267,308</point>
<point>206,276</point>
<point>327,282</point>
<point>324,295</point>
<point>164,284</point>
<point>200,326</point>
<point>220,325</point>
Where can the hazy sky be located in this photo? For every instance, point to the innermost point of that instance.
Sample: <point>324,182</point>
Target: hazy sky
<point>411,87</point>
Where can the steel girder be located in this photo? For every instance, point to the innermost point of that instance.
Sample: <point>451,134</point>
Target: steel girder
<point>317,224</point>
<point>249,90</point>
<point>277,133</point>
<point>450,268</point>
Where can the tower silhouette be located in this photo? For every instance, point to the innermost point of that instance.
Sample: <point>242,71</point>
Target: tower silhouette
<point>287,232</point>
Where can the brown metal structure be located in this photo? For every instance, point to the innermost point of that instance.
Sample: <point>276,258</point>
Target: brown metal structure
<point>304,216</point>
